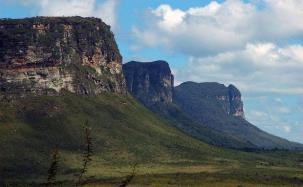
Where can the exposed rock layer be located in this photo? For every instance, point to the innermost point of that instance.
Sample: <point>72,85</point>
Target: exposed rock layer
<point>46,55</point>
<point>235,102</point>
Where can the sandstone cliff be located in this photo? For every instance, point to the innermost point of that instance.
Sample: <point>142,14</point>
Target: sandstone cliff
<point>225,99</point>
<point>151,83</point>
<point>235,104</point>
<point>47,55</point>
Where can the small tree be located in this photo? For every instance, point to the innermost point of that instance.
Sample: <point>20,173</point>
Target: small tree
<point>53,169</point>
<point>130,177</point>
<point>87,154</point>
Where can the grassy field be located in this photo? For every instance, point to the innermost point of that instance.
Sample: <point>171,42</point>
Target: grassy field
<point>124,133</point>
<point>191,175</point>
<point>210,175</point>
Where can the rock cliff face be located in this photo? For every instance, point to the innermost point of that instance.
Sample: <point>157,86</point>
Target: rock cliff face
<point>151,83</point>
<point>226,99</point>
<point>235,103</point>
<point>47,55</point>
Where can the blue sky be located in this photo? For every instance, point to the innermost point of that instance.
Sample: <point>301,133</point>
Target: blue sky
<point>255,45</point>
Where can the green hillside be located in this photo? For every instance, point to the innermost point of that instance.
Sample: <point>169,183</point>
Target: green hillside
<point>123,133</point>
<point>182,121</point>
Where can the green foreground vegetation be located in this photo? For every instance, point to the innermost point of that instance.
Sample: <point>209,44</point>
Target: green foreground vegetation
<point>124,133</point>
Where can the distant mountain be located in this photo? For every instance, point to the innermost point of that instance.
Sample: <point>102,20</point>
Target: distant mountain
<point>226,99</point>
<point>220,108</point>
<point>208,111</point>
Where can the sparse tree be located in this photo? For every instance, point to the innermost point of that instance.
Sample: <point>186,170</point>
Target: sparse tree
<point>87,154</point>
<point>53,169</point>
<point>130,177</point>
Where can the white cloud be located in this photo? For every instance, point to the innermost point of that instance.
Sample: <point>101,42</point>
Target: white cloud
<point>170,18</point>
<point>208,10</point>
<point>86,8</point>
<point>279,100</point>
<point>286,128</point>
<point>66,8</point>
<point>260,67</point>
<point>220,27</point>
<point>281,19</point>
<point>107,11</point>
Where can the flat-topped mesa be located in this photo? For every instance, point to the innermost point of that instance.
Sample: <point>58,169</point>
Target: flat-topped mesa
<point>226,98</point>
<point>151,83</point>
<point>46,55</point>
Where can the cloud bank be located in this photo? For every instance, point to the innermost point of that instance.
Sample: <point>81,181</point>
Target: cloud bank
<point>258,68</point>
<point>106,10</point>
<point>219,27</point>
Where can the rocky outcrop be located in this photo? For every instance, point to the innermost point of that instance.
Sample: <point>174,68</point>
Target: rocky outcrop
<point>235,103</point>
<point>151,83</point>
<point>226,99</point>
<point>48,55</point>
